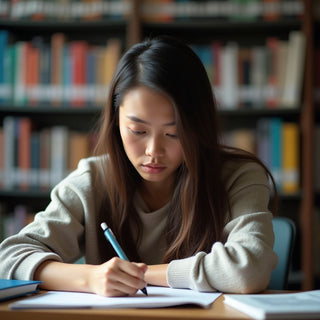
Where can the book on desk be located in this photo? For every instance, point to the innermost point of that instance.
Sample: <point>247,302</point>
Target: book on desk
<point>10,289</point>
<point>301,305</point>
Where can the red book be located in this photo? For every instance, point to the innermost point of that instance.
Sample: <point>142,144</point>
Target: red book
<point>32,73</point>
<point>272,72</point>
<point>78,52</point>
<point>57,44</point>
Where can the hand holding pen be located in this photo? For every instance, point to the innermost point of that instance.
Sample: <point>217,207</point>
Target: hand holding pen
<point>112,239</point>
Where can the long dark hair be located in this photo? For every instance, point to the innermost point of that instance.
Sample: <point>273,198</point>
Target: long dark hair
<point>199,206</point>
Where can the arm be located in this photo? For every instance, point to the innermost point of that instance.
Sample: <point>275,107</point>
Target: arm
<point>243,260</point>
<point>116,277</point>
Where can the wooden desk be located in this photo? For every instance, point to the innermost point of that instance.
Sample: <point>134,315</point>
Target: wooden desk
<point>217,311</point>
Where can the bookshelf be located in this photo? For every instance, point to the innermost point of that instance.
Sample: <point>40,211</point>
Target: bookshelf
<point>138,23</point>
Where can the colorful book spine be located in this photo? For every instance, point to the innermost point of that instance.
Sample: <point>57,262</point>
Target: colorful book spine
<point>291,156</point>
<point>3,49</point>
<point>276,151</point>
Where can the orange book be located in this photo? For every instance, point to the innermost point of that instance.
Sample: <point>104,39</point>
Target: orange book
<point>290,161</point>
<point>78,149</point>
<point>24,152</point>
<point>111,59</point>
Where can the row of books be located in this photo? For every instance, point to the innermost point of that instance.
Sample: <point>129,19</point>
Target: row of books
<point>269,10</point>
<point>64,9</point>
<point>61,72</point>
<point>259,76</point>
<point>154,10</point>
<point>78,74</point>
<point>31,158</point>
<point>277,144</point>
<point>12,220</point>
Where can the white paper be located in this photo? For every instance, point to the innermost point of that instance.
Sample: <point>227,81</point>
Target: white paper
<point>301,305</point>
<point>157,297</point>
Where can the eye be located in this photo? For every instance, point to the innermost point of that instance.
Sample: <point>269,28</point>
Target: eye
<point>174,136</point>
<point>137,132</point>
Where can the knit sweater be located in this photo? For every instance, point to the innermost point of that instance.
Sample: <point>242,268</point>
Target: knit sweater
<point>70,228</point>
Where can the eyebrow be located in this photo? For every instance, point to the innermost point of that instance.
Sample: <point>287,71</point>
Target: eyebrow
<point>136,119</point>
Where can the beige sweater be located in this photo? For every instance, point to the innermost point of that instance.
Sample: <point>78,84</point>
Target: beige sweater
<point>70,228</point>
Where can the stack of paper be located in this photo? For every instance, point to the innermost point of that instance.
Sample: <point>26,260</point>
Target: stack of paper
<point>302,305</point>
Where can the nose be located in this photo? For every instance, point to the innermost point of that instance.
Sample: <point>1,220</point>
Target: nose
<point>155,147</point>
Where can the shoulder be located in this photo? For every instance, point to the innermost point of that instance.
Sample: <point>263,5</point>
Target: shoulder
<point>85,180</point>
<point>240,173</point>
<point>248,187</point>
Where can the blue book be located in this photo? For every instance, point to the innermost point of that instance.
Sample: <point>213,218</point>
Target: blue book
<point>276,150</point>
<point>3,51</point>
<point>10,289</point>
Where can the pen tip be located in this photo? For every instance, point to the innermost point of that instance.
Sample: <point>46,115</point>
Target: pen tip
<point>144,290</point>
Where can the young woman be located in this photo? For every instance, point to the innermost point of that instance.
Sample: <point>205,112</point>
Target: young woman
<point>190,212</point>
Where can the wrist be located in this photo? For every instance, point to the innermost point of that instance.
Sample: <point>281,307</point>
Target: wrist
<point>157,275</point>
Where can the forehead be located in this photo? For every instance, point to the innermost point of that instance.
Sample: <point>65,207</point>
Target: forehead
<point>146,103</point>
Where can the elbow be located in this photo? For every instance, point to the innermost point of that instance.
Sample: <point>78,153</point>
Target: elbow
<point>251,284</point>
<point>249,280</point>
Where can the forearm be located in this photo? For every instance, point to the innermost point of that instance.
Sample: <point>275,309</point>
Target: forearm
<point>116,277</point>
<point>63,276</point>
<point>157,275</point>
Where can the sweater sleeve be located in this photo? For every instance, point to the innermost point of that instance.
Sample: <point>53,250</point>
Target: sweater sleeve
<point>243,262</point>
<point>57,233</point>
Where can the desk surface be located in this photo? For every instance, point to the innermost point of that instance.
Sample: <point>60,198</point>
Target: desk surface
<point>218,310</point>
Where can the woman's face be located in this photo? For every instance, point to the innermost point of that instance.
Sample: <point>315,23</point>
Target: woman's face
<point>149,134</point>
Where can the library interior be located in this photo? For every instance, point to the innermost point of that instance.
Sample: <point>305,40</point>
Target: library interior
<point>262,57</point>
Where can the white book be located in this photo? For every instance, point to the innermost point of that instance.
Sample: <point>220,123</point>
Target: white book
<point>295,70</point>
<point>301,305</point>
<point>229,76</point>
<point>157,297</point>
<point>59,154</point>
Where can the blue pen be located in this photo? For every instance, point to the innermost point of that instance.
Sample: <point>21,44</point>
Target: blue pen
<point>116,246</point>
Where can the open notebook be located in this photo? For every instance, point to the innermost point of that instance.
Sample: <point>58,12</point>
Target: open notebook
<point>157,297</point>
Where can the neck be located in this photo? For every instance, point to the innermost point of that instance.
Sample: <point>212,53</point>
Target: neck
<point>156,195</point>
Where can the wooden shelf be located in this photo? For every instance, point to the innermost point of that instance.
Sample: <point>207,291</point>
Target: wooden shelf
<point>133,29</point>
<point>45,109</point>
<point>66,25</point>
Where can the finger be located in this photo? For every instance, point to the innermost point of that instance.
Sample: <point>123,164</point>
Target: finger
<point>130,281</point>
<point>126,273</point>
<point>136,270</point>
<point>142,266</point>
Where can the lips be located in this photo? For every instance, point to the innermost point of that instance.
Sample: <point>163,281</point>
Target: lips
<point>153,168</point>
